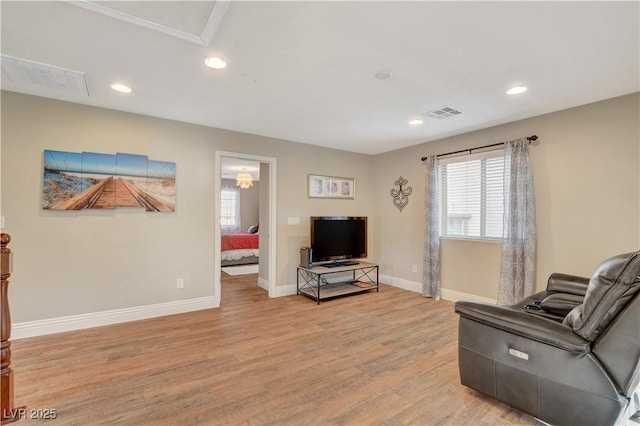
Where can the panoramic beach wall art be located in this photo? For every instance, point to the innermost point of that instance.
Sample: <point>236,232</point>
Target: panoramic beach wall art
<point>89,180</point>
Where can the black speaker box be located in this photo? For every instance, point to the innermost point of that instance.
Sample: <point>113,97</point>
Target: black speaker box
<point>305,257</point>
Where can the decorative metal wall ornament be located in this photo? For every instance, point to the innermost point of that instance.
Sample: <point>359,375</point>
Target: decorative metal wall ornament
<point>401,195</point>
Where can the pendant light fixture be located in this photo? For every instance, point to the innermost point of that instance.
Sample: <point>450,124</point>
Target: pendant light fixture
<point>244,180</point>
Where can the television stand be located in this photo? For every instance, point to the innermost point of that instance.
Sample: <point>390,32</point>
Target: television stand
<point>339,264</point>
<point>358,278</point>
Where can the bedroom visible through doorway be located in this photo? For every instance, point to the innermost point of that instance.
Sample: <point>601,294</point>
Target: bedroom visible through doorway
<point>239,212</point>
<point>244,217</point>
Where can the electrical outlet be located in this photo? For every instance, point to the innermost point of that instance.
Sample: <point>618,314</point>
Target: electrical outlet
<point>180,283</point>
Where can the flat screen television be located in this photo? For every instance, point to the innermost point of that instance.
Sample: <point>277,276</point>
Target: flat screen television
<point>335,239</point>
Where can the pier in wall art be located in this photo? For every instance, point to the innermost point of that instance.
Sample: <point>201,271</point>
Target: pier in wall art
<point>89,180</point>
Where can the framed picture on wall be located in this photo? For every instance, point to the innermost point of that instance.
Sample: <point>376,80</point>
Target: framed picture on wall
<point>90,180</point>
<point>319,186</point>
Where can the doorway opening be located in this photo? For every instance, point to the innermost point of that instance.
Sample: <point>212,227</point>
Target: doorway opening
<point>266,220</point>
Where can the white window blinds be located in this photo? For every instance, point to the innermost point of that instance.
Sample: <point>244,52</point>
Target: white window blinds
<point>230,209</point>
<point>471,190</point>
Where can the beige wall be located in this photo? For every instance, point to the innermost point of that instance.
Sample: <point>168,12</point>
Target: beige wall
<point>68,263</point>
<point>65,263</point>
<point>587,185</point>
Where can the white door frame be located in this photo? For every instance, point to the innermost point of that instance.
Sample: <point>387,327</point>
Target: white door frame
<point>271,237</point>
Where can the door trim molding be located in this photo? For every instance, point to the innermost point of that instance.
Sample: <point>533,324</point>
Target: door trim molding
<point>272,230</point>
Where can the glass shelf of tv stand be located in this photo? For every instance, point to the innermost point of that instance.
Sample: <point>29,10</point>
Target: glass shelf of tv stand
<point>313,282</point>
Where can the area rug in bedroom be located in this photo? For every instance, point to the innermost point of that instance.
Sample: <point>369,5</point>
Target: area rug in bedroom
<point>240,269</point>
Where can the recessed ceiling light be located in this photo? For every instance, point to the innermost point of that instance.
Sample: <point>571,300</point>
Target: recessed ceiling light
<point>215,63</point>
<point>415,121</point>
<point>516,90</point>
<point>122,88</point>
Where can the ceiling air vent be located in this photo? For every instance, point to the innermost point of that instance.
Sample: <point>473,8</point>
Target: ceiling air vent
<point>442,113</point>
<point>18,69</point>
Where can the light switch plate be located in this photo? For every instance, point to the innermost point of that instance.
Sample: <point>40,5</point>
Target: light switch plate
<point>1,222</point>
<point>293,221</point>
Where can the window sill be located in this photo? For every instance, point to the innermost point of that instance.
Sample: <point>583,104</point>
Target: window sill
<point>477,239</point>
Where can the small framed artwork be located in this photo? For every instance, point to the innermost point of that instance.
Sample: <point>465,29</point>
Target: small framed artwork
<point>331,187</point>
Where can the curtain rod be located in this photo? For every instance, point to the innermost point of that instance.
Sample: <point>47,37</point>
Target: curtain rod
<point>529,138</point>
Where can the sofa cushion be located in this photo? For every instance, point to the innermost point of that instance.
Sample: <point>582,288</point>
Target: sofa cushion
<point>612,286</point>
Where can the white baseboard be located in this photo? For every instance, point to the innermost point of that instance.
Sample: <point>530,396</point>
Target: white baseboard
<point>263,283</point>
<point>446,294</point>
<point>286,290</point>
<point>280,290</point>
<point>454,296</point>
<point>401,283</point>
<point>96,319</point>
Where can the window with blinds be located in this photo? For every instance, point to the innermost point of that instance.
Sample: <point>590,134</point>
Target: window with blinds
<point>230,209</point>
<point>471,191</point>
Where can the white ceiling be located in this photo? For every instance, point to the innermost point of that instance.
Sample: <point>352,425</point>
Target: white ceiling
<point>304,71</point>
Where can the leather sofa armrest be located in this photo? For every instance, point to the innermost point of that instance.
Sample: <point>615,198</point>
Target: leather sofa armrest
<point>565,283</point>
<point>525,324</point>
<point>560,303</point>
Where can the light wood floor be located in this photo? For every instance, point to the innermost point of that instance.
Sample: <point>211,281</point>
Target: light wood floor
<point>375,358</point>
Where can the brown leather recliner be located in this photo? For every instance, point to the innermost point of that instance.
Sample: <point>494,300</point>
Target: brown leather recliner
<point>568,355</point>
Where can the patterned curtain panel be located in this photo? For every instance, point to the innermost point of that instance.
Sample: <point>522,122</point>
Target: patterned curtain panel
<point>431,252</point>
<point>519,239</point>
